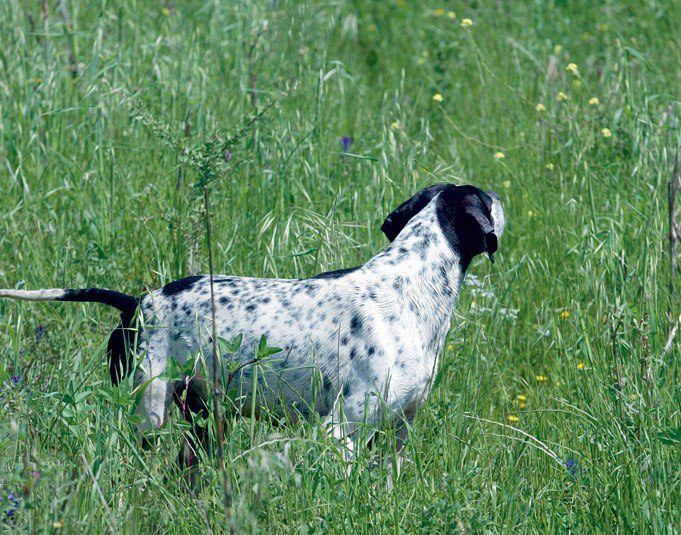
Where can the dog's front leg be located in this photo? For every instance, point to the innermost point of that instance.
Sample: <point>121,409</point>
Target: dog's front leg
<point>339,428</point>
<point>340,432</point>
<point>401,435</point>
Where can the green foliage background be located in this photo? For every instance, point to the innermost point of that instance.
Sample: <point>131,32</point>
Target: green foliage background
<point>578,296</point>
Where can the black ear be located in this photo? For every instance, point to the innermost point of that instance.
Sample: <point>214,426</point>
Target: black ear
<point>481,215</point>
<point>465,214</point>
<point>399,217</point>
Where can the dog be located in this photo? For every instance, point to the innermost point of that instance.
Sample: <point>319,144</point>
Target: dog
<point>368,337</point>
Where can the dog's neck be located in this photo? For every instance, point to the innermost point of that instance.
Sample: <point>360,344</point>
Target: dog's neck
<point>425,273</point>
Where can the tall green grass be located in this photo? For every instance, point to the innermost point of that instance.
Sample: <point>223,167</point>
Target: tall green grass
<point>567,319</point>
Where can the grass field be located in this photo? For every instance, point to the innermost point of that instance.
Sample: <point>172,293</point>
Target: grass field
<point>554,410</point>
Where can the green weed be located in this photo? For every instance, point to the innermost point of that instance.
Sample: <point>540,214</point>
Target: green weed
<point>541,419</point>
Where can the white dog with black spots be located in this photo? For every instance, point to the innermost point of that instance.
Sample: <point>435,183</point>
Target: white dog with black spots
<point>357,345</point>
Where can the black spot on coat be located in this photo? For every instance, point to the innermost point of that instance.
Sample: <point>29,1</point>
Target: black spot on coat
<point>335,274</point>
<point>355,324</point>
<point>181,285</point>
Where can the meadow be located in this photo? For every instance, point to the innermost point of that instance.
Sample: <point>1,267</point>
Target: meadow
<point>555,410</point>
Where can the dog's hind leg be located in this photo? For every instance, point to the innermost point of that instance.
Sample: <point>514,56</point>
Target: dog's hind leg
<point>191,396</point>
<point>157,391</point>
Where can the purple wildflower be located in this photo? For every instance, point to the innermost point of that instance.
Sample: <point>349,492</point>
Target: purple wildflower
<point>11,508</point>
<point>346,141</point>
<point>16,379</point>
<point>40,332</point>
<point>571,466</point>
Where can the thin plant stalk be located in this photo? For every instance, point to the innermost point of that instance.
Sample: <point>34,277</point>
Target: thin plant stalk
<point>217,414</point>
<point>674,231</point>
<point>73,64</point>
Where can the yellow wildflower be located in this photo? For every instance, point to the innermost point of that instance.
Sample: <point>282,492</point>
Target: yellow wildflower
<point>166,11</point>
<point>437,97</point>
<point>512,418</point>
<point>451,15</point>
<point>606,132</point>
<point>549,166</point>
<point>565,314</point>
<point>561,96</point>
<point>466,23</point>
<point>506,184</point>
<point>57,525</point>
<point>581,366</point>
<point>521,397</point>
<point>577,83</point>
<point>421,61</point>
<point>395,125</point>
<point>593,101</point>
<point>557,49</point>
<point>439,12</point>
<point>499,156</point>
<point>632,397</point>
<point>522,405</point>
<point>572,67</point>
<point>450,346</point>
<point>542,378</point>
<point>540,107</point>
<point>530,214</point>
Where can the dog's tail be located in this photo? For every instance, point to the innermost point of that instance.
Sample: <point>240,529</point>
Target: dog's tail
<point>123,302</point>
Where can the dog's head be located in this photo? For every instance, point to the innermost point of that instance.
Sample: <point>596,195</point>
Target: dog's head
<point>471,219</point>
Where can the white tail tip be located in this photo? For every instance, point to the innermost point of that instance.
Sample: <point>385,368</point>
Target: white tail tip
<point>34,295</point>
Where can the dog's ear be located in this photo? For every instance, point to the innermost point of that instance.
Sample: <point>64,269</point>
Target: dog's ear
<point>465,214</point>
<point>399,217</point>
<point>481,217</point>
